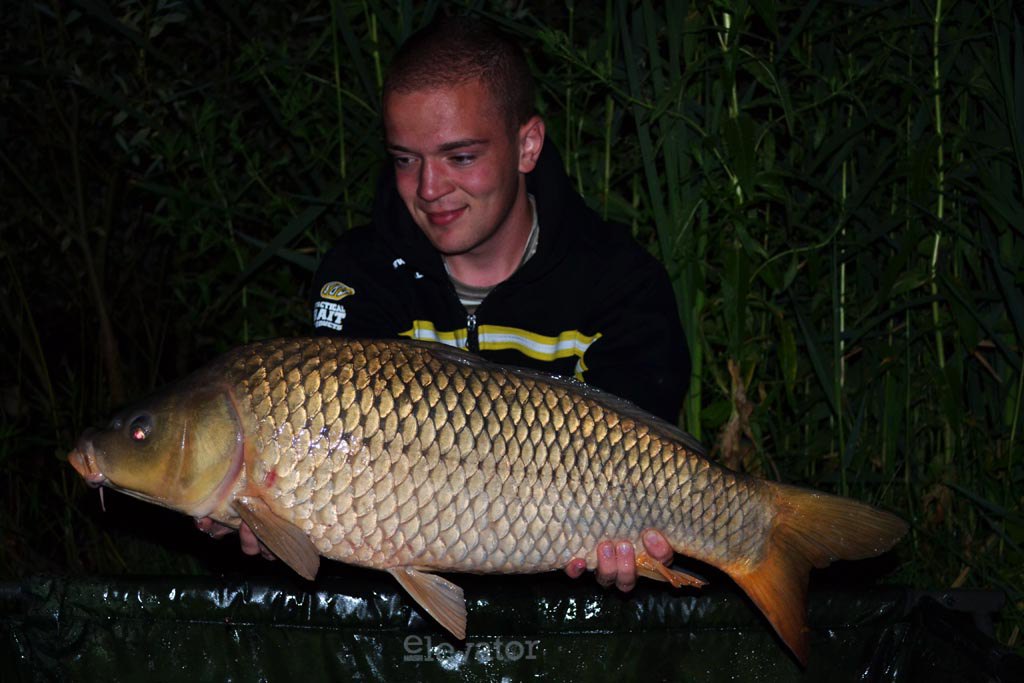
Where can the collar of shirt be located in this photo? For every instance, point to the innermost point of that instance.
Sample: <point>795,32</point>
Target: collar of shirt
<point>471,297</point>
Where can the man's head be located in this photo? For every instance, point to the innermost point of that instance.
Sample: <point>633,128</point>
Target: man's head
<point>460,127</point>
<point>453,51</point>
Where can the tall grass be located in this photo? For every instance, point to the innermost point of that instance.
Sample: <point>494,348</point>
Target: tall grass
<point>835,190</point>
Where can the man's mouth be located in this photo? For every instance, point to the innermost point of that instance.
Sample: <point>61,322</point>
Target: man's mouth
<point>441,218</point>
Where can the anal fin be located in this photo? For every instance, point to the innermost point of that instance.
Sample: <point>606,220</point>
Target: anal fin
<point>284,539</point>
<point>652,569</point>
<point>442,599</point>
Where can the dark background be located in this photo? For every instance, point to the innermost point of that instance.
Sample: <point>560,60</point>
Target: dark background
<point>835,189</point>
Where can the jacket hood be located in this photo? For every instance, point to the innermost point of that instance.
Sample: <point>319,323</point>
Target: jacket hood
<point>561,212</point>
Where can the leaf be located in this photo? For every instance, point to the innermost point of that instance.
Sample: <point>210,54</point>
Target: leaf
<point>987,504</point>
<point>766,11</point>
<point>296,226</point>
<point>794,267</point>
<point>739,143</point>
<point>787,354</point>
<point>850,447</point>
<point>734,294</point>
<point>715,415</point>
<point>304,261</point>
<point>767,77</point>
<point>1012,295</point>
<point>825,381</point>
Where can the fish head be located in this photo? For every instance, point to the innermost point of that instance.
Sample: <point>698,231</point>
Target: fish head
<point>181,449</point>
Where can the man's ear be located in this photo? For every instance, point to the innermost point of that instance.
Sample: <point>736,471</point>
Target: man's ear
<point>531,141</point>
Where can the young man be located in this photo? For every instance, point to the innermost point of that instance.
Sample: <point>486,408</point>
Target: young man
<point>479,241</point>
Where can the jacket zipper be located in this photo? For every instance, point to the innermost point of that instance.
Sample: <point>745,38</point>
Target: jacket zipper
<point>471,337</point>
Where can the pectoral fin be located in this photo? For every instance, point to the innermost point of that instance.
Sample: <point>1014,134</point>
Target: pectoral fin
<point>442,599</point>
<point>652,569</point>
<point>283,538</point>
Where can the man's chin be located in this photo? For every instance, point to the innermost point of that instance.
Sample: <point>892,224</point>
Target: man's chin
<point>445,242</point>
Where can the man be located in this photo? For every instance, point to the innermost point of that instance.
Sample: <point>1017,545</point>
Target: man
<point>479,241</point>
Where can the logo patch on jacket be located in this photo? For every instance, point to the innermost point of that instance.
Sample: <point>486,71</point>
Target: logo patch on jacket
<point>336,291</point>
<point>328,314</point>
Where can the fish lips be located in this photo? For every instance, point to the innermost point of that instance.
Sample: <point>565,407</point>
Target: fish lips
<point>83,459</point>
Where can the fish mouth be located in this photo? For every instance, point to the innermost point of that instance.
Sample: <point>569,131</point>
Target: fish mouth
<point>83,459</point>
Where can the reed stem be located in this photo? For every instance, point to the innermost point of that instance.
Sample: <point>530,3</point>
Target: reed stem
<point>940,350</point>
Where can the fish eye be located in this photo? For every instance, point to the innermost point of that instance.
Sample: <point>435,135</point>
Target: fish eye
<point>140,428</point>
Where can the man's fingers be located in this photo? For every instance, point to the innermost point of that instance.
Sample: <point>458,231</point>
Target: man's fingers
<point>576,567</point>
<point>250,544</point>
<point>212,528</point>
<point>657,546</point>
<point>606,567</point>
<point>616,561</point>
<point>625,564</point>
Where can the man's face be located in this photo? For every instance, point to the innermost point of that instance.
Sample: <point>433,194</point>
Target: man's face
<point>458,167</point>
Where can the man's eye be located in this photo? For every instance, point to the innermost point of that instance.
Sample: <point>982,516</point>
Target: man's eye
<point>402,162</point>
<point>463,159</point>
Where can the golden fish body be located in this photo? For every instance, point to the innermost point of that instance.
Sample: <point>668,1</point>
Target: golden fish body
<point>413,457</point>
<point>392,454</point>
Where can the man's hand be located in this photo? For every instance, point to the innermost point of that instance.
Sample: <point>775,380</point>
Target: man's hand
<point>616,561</point>
<point>250,544</point>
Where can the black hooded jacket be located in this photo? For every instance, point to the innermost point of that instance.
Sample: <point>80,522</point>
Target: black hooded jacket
<point>590,303</point>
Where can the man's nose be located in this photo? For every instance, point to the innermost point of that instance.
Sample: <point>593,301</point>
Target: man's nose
<point>433,184</point>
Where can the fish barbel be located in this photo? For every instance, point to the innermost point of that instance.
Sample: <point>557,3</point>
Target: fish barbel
<point>413,458</point>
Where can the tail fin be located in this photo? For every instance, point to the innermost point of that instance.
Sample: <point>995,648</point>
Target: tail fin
<point>809,529</point>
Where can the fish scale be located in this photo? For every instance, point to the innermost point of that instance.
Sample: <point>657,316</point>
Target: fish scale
<point>414,457</point>
<point>575,480</point>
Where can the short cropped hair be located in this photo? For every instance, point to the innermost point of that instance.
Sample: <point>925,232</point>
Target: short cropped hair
<point>451,51</point>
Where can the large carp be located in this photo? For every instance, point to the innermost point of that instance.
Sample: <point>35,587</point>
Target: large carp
<point>413,458</point>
